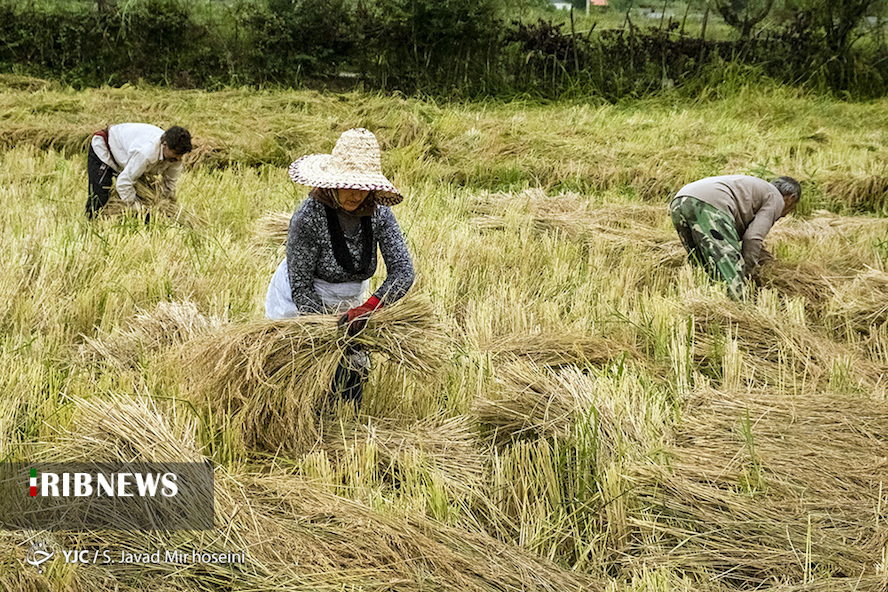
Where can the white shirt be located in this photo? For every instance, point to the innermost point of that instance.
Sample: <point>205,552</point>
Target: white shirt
<point>137,150</point>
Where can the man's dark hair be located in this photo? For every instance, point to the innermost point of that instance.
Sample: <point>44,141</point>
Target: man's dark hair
<point>788,186</point>
<point>177,139</point>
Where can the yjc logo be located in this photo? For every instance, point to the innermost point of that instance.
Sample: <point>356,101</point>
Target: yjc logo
<point>37,556</point>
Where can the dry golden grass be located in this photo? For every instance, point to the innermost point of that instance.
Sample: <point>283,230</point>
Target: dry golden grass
<point>148,334</point>
<point>764,487</point>
<point>152,201</point>
<point>271,379</point>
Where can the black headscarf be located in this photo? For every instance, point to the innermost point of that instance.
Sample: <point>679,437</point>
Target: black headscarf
<point>343,256</point>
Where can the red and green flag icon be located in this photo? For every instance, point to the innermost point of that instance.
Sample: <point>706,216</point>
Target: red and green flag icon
<point>33,482</point>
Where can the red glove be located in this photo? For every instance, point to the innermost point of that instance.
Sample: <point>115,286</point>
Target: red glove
<point>356,318</point>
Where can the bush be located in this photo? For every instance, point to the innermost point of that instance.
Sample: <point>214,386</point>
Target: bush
<point>441,47</point>
<point>430,45</point>
<point>302,38</point>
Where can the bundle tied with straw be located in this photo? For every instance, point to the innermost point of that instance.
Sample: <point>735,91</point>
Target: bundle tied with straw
<point>153,199</point>
<point>269,379</point>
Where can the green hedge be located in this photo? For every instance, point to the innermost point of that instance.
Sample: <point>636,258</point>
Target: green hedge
<point>451,47</point>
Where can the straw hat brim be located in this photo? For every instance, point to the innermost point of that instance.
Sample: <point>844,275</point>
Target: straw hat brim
<point>319,170</point>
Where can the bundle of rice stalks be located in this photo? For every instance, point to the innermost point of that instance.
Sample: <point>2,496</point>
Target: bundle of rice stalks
<point>775,347</point>
<point>271,378</point>
<point>120,429</point>
<point>812,281</point>
<point>858,299</point>
<point>337,540</point>
<point>272,229</point>
<point>764,486</point>
<point>536,403</point>
<point>116,432</point>
<point>866,193</point>
<point>296,536</point>
<point>862,301</point>
<point>149,333</point>
<point>447,449</point>
<point>531,403</point>
<point>558,348</point>
<point>824,226</point>
<point>616,225</point>
<point>154,201</point>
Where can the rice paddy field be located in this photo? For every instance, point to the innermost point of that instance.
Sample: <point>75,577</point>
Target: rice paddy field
<point>560,403</point>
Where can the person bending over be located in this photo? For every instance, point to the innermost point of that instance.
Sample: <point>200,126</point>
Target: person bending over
<point>722,222</point>
<point>128,151</point>
<point>332,244</point>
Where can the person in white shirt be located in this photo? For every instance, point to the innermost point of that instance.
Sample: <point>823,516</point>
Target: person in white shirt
<point>128,151</point>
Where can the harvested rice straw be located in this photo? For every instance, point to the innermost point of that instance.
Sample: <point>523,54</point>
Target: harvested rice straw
<point>272,229</point>
<point>618,225</point>
<point>824,226</point>
<point>272,377</point>
<point>756,478</point>
<point>118,431</point>
<point>334,537</point>
<point>862,301</point>
<point>171,323</point>
<point>772,342</point>
<point>858,298</point>
<point>296,536</point>
<point>863,192</point>
<point>535,402</point>
<point>558,348</point>
<point>530,404</point>
<point>809,280</point>
<point>446,448</point>
<point>153,201</point>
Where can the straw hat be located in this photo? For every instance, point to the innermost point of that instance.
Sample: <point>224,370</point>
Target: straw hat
<point>354,164</point>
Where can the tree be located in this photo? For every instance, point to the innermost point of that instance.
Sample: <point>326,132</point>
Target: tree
<point>837,19</point>
<point>744,15</point>
<point>836,22</point>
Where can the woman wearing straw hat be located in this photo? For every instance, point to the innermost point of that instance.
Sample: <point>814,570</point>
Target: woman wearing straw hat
<point>332,243</point>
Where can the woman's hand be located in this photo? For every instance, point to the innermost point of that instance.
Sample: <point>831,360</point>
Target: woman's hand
<point>355,319</point>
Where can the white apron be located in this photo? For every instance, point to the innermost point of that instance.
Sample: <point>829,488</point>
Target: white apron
<point>336,297</point>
